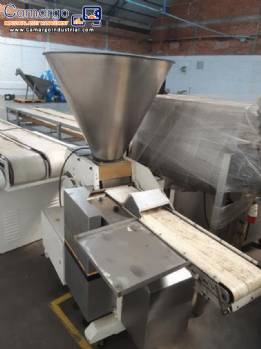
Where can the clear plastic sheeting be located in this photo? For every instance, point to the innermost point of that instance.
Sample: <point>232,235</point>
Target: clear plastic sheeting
<point>227,214</point>
<point>188,139</point>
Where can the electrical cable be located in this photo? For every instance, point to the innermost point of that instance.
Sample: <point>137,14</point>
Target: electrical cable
<point>62,169</point>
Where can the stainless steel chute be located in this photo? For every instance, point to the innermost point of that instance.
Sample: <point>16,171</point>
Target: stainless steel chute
<point>109,94</point>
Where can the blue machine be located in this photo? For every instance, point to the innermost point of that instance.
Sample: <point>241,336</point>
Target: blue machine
<point>53,93</point>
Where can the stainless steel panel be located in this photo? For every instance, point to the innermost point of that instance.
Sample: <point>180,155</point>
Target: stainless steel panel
<point>109,94</point>
<point>129,256</point>
<point>79,216</point>
<point>93,296</point>
<point>158,313</point>
<point>110,211</point>
<point>83,215</point>
<point>141,201</point>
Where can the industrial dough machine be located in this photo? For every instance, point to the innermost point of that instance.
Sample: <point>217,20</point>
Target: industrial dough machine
<point>120,245</point>
<point>30,164</point>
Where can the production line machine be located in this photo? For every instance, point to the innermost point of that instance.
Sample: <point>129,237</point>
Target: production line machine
<point>116,240</point>
<point>30,164</point>
<point>216,168</point>
<point>38,86</point>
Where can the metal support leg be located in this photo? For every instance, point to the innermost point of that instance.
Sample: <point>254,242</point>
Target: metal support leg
<point>7,114</point>
<point>199,304</point>
<point>26,94</point>
<point>17,119</point>
<point>33,93</point>
<point>220,192</point>
<point>106,326</point>
<point>59,131</point>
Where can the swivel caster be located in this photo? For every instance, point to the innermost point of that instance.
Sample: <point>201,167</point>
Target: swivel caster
<point>85,323</point>
<point>75,306</point>
<point>99,344</point>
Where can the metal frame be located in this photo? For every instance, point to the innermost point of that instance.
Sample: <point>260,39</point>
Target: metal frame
<point>221,191</point>
<point>212,288</point>
<point>38,85</point>
<point>28,116</point>
<point>116,6</point>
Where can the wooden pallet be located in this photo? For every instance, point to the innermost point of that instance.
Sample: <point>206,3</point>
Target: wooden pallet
<point>28,100</point>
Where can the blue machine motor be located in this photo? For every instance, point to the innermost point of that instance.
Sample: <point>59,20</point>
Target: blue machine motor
<point>53,93</point>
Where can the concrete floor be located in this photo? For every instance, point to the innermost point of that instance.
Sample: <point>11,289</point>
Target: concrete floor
<point>28,283</point>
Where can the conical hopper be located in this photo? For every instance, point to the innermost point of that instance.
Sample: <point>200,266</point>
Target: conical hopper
<point>109,95</point>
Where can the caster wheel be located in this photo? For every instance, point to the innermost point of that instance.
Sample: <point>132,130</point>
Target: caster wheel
<point>75,305</point>
<point>99,344</point>
<point>84,322</point>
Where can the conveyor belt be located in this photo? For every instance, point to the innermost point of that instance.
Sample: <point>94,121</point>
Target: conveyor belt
<point>30,156</point>
<point>53,151</point>
<point>66,120</point>
<point>60,115</point>
<point>5,125</point>
<point>223,270</point>
<point>62,122</point>
<point>222,264</point>
<point>24,164</point>
<point>49,115</point>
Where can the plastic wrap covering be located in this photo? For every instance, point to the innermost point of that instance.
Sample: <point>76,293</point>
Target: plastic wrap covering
<point>198,142</point>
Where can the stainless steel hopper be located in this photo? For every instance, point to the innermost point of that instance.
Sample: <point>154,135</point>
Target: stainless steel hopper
<point>109,95</point>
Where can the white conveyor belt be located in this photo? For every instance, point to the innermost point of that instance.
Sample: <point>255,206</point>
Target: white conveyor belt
<point>52,150</point>
<point>60,115</point>
<point>237,274</point>
<point>30,156</point>
<point>5,126</point>
<point>220,262</point>
<point>25,164</point>
<point>51,115</point>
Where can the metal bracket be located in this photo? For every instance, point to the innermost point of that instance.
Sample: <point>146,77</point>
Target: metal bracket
<point>140,201</point>
<point>212,289</point>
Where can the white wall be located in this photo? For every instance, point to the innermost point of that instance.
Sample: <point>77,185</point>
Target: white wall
<point>230,77</point>
<point>27,55</point>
